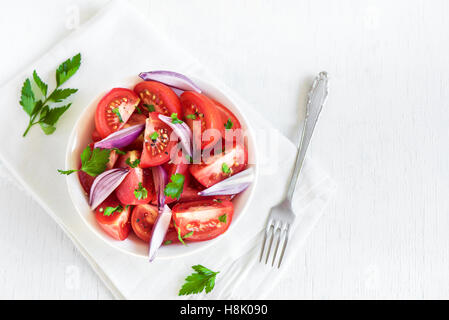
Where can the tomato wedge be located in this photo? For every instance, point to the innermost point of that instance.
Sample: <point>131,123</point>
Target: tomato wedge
<point>177,165</point>
<point>118,101</point>
<point>156,151</point>
<point>220,167</point>
<point>116,225</point>
<point>142,220</point>
<point>202,109</point>
<point>134,181</point>
<point>161,97</point>
<point>207,219</point>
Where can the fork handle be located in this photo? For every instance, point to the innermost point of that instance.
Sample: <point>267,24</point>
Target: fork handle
<point>316,99</point>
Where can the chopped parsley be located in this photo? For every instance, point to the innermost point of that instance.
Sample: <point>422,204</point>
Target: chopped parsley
<point>117,112</point>
<point>140,193</point>
<point>229,124</point>
<point>138,110</point>
<point>154,136</point>
<point>168,242</point>
<point>174,118</point>
<point>223,218</point>
<point>120,152</point>
<point>133,164</point>
<point>150,107</point>
<point>108,211</point>
<point>225,168</point>
<point>187,235</point>
<point>175,186</point>
<point>191,116</point>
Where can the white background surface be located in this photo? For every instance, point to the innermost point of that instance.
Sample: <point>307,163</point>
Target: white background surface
<point>383,135</point>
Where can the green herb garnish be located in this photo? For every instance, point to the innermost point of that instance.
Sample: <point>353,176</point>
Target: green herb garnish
<point>168,242</point>
<point>39,110</point>
<point>174,188</point>
<point>108,211</point>
<point>187,235</point>
<point>120,152</point>
<point>223,218</point>
<point>225,168</point>
<point>174,118</point>
<point>202,279</point>
<point>138,110</point>
<point>154,136</point>
<point>229,124</point>
<point>92,162</point>
<point>117,112</point>
<point>141,193</point>
<point>150,107</point>
<point>133,164</point>
<point>191,116</point>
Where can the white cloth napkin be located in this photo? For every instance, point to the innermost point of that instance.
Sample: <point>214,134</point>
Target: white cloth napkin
<point>119,42</point>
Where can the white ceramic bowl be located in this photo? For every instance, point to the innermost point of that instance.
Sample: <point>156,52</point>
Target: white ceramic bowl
<point>81,136</point>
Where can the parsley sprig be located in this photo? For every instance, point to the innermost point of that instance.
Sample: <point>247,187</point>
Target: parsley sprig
<point>92,162</point>
<point>175,186</point>
<point>39,110</point>
<point>202,279</point>
<point>174,118</point>
<point>133,164</point>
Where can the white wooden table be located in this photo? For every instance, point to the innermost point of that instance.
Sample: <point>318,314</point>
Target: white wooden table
<point>383,135</point>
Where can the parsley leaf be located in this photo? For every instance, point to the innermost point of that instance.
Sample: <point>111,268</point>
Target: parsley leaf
<point>154,136</point>
<point>40,84</point>
<point>59,95</point>
<point>174,188</point>
<point>191,116</point>
<point>110,210</point>
<point>67,69</point>
<point>202,279</point>
<point>39,111</point>
<point>174,118</point>
<point>187,235</point>
<point>223,218</point>
<point>150,107</point>
<point>140,193</point>
<point>133,164</point>
<point>229,124</point>
<point>138,110</point>
<point>225,168</point>
<point>119,151</point>
<point>168,242</point>
<point>27,100</point>
<point>117,112</point>
<point>92,162</point>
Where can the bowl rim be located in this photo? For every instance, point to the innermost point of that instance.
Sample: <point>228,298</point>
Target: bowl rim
<point>204,244</point>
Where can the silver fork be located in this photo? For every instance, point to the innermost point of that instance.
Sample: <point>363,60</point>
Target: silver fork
<point>282,216</point>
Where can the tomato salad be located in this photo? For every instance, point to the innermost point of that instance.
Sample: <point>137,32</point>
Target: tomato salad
<point>173,162</point>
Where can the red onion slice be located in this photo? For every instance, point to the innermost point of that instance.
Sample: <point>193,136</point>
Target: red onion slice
<point>172,79</point>
<point>159,230</point>
<point>104,184</point>
<point>182,130</point>
<point>231,185</point>
<point>160,180</point>
<point>121,138</point>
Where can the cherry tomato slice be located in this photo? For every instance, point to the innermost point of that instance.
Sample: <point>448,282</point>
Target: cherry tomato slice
<point>156,151</point>
<point>161,97</point>
<point>207,219</point>
<point>134,181</point>
<point>142,220</point>
<point>200,112</point>
<point>116,225</point>
<point>117,101</point>
<point>220,167</point>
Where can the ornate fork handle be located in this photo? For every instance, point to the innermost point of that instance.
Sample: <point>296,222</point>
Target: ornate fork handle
<point>316,99</point>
